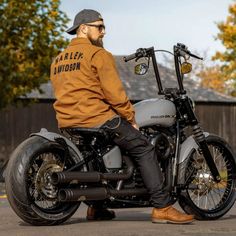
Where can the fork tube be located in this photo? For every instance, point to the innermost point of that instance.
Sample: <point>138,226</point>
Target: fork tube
<point>175,161</point>
<point>156,71</point>
<point>201,140</point>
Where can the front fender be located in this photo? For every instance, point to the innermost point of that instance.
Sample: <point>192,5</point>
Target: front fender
<point>187,147</point>
<point>186,150</point>
<point>44,133</point>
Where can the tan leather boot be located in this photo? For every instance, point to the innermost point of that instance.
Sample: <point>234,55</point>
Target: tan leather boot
<point>170,215</point>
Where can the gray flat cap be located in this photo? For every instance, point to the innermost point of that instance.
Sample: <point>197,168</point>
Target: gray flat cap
<point>83,17</point>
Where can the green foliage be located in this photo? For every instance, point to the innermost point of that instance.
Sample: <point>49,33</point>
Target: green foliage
<point>30,36</point>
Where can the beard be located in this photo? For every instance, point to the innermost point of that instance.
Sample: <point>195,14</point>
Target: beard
<point>98,42</point>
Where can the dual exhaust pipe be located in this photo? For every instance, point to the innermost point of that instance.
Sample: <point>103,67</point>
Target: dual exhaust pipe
<point>66,195</point>
<point>92,177</point>
<point>96,193</point>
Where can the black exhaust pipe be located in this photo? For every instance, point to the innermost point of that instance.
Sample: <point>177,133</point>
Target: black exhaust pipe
<point>66,195</point>
<point>88,177</point>
<point>82,194</point>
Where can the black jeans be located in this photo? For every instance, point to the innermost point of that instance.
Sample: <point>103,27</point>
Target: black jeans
<point>137,145</point>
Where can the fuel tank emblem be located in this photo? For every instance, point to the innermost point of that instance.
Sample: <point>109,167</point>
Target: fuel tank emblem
<point>163,116</point>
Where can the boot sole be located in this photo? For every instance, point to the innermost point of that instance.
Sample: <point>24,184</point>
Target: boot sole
<point>157,221</point>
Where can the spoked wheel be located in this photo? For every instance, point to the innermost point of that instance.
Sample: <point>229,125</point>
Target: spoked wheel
<point>28,182</point>
<point>205,198</point>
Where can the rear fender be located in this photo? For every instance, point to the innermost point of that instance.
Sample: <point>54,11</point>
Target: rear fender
<point>74,151</point>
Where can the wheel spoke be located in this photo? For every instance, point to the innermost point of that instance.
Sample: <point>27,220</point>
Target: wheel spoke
<point>212,198</point>
<point>210,194</point>
<point>43,193</point>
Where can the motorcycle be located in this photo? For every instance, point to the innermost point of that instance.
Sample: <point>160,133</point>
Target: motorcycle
<point>50,174</point>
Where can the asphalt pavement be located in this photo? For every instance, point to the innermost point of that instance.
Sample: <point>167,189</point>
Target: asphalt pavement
<point>129,222</point>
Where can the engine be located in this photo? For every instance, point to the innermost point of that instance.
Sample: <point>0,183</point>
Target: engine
<point>164,145</point>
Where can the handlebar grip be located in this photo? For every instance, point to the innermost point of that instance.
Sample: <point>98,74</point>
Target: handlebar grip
<point>130,57</point>
<point>182,50</point>
<point>192,55</point>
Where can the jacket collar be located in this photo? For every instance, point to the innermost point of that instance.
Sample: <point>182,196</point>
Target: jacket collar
<point>76,41</point>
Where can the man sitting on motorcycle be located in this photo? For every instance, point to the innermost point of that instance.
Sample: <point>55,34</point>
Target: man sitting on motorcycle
<point>89,93</point>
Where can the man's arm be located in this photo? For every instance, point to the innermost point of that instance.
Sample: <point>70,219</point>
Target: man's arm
<point>112,87</point>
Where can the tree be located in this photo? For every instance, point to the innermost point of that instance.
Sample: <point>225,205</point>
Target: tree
<point>212,78</point>
<point>227,35</point>
<point>30,36</point>
<point>222,76</point>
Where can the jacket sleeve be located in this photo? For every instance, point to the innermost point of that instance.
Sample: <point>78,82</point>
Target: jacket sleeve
<point>114,93</point>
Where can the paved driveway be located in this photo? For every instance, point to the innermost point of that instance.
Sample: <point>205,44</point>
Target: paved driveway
<point>129,222</point>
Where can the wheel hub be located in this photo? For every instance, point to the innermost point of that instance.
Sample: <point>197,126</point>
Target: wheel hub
<point>43,178</point>
<point>204,182</point>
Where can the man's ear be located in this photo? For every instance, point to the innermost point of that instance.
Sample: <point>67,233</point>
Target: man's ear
<point>83,29</point>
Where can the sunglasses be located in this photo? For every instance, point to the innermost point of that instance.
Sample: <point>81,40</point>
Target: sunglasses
<point>99,27</point>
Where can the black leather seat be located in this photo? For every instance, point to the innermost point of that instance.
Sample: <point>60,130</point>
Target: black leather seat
<point>87,133</point>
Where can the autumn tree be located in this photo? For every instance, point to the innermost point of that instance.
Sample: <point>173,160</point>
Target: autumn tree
<point>223,76</point>
<point>30,36</point>
<point>227,35</point>
<point>212,78</point>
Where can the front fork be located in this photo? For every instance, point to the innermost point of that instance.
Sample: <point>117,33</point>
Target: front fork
<point>201,140</point>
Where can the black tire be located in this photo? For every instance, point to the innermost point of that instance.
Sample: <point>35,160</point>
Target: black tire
<point>211,200</point>
<point>3,165</point>
<point>29,193</point>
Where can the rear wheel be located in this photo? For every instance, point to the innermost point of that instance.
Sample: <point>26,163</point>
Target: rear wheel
<point>28,186</point>
<point>3,164</point>
<point>205,198</point>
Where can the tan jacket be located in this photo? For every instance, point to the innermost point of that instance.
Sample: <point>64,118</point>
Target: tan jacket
<point>87,86</point>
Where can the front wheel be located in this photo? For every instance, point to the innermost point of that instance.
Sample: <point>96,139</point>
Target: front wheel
<point>204,198</point>
<point>29,190</point>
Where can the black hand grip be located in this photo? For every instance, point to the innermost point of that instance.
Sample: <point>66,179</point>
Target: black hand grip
<point>130,57</point>
<point>141,52</point>
<point>183,50</point>
<point>197,57</point>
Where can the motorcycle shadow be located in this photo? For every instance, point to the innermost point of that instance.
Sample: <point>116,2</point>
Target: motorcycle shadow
<point>121,215</point>
<point>136,217</point>
<point>144,217</point>
<point>124,215</point>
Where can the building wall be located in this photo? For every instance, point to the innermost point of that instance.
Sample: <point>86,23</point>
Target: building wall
<point>18,123</point>
<point>220,119</point>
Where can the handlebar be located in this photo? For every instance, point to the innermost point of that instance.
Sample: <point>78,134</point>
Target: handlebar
<point>141,52</point>
<point>182,50</point>
<point>179,50</point>
<point>195,56</point>
<point>130,57</point>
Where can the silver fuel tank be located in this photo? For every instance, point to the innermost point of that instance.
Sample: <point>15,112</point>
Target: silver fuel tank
<point>155,112</point>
